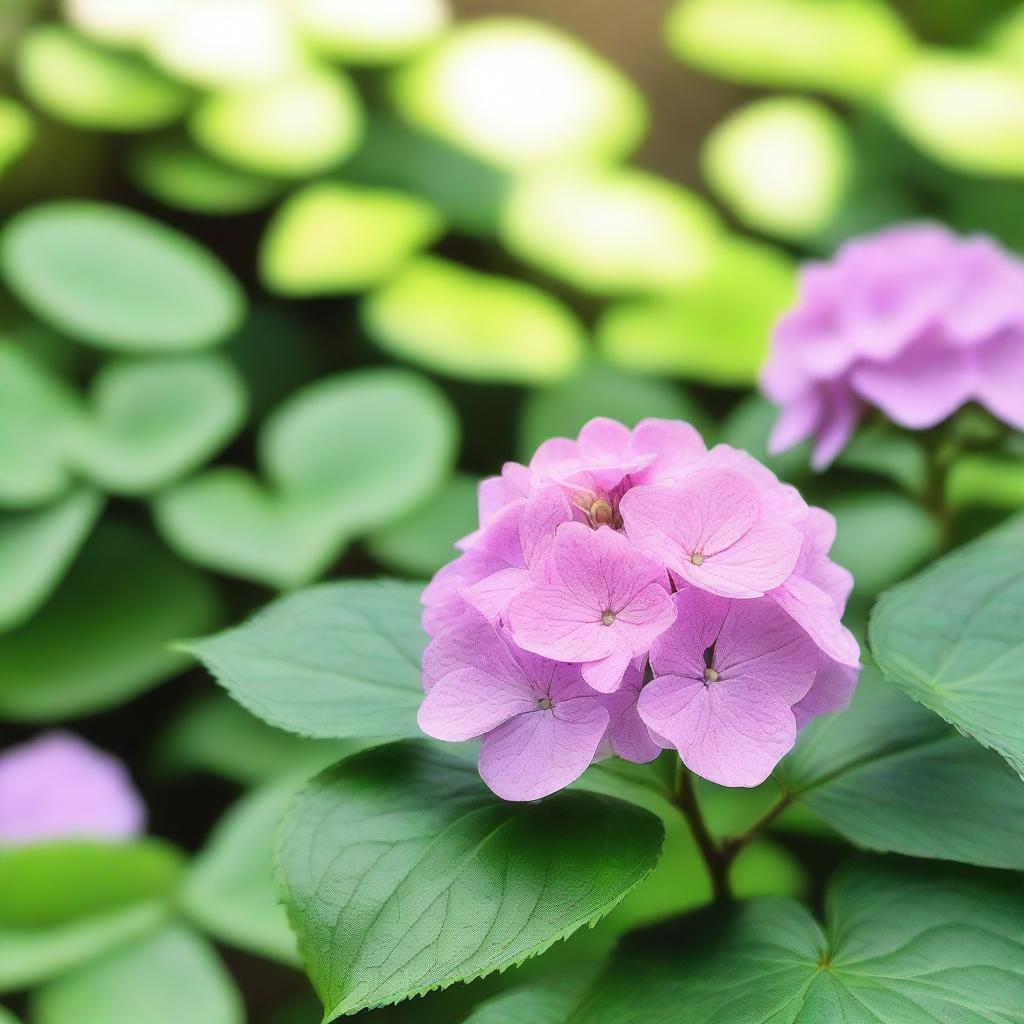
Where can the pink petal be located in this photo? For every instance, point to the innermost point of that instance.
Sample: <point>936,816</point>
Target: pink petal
<point>628,736</point>
<point>842,413</point>
<point>815,611</point>
<point>605,675</point>
<point>677,446</point>
<point>1000,385</point>
<point>797,421</point>
<point>538,753</point>
<point>552,621</point>
<point>603,438</point>
<point>832,690</point>
<point>680,649</point>
<point>469,702</point>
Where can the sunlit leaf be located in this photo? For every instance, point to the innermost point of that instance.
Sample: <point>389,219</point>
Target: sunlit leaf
<point>294,127</point>
<point>79,82</point>
<point>520,93</point>
<point>985,481</point>
<point>331,238</point>
<point>16,131</point>
<point>118,280</point>
<point>478,326</point>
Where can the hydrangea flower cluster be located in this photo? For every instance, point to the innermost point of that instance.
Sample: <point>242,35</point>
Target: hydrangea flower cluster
<point>629,592</point>
<point>58,786</point>
<point>915,321</point>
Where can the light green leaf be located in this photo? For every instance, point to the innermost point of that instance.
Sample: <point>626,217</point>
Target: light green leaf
<point>290,127</point>
<point>170,977</point>
<point>985,481</point>
<point>599,390</point>
<point>783,165</point>
<point>889,775</point>
<point>850,48</point>
<point>671,335</point>
<point>118,280</point>
<point>546,1000</point>
<point>17,130</point>
<point>610,231</point>
<point>951,638</point>
<point>90,87</point>
<point>177,174</point>
<point>102,638</point>
<point>229,891</point>
<point>886,450</point>
<point>36,548</point>
<point>401,873</point>
<point>520,93</point>
<point>339,660</point>
<point>902,944</point>
<point>422,541</point>
<point>478,326</point>
<point>155,420</point>
<point>38,415</point>
<point>217,736</point>
<point>330,238</point>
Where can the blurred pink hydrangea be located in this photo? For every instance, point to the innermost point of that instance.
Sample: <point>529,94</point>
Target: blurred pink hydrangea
<point>914,321</point>
<point>631,591</point>
<point>57,786</point>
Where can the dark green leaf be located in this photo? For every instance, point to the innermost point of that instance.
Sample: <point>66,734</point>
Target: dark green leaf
<point>546,1000</point>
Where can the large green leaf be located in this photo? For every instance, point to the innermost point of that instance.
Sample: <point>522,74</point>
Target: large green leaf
<point>903,944</point>
<point>546,1000</point>
<point>36,548</point>
<point>229,890</point>
<point>951,637</point>
<point>169,977</point>
<point>113,278</point>
<point>336,660</point>
<point>401,873</point>
<point>889,775</point>
<point>104,635</point>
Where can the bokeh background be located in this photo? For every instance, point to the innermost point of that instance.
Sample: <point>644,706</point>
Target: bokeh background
<point>280,280</point>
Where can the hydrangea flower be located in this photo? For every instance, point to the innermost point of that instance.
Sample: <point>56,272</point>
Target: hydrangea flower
<point>914,321</point>
<point>58,786</point>
<point>629,591</point>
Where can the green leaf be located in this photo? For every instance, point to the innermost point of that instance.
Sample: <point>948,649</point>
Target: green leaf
<point>90,87</point>
<point>179,175</point>
<point>888,775</point>
<point>17,130</point>
<point>478,326</point>
<point>545,1000</point>
<point>421,542</point>
<point>902,944</point>
<point>670,335</point>
<point>985,481</point>
<point>171,976</point>
<point>330,238</point>
<point>339,660</point>
<point>229,891</point>
<point>38,415</point>
<point>42,885</point>
<point>291,127</point>
<point>155,420</point>
<point>610,230</point>
<point>36,549</point>
<point>886,450</point>
<point>748,427</point>
<point>216,736</point>
<point>6,1017</point>
<point>103,636</point>
<point>113,278</point>
<point>401,873</point>
<point>598,390</point>
<point>951,638</point>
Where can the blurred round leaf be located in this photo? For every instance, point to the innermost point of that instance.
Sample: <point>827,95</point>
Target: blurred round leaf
<point>561,410</point>
<point>704,332</point>
<point>16,131</point>
<point>422,541</point>
<point>38,415</point>
<point>177,174</point>
<point>36,548</point>
<point>520,93</point>
<point>154,420</point>
<point>357,32</point>
<point>223,43</point>
<point>985,481</point>
<point>120,22</point>
<point>963,110</point>
<point>610,230</point>
<point>168,977</point>
<point>81,83</point>
<point>103,637</point>
<point>748,425</point>
<point>478,326</point>
<point>293,127</point>
<point>330,238</point>
<point>118,280</point>
<point>782,165</point>
<point>846,47</point>
<point>888,451</point>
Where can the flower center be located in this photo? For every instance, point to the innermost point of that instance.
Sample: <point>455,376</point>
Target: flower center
<point>599,511</point>
<point>696,558</point>
<point>711,676</point>
<point>544,704</point>
<point>608,617</point>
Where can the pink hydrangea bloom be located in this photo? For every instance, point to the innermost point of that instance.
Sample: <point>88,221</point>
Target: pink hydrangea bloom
<point>914,321</point>
<point>578,620</point>
<point>58,786</point>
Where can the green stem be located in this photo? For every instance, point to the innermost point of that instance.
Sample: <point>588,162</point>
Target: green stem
<point>715,859</point>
